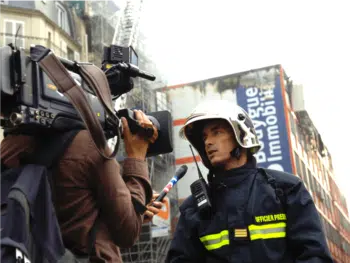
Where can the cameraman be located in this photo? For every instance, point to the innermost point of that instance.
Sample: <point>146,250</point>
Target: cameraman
<point>92,193</point>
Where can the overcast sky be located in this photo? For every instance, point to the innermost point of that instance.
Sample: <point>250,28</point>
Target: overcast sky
<point>193,40</point>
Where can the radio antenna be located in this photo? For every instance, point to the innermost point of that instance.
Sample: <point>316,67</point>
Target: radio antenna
<point>199,171</point>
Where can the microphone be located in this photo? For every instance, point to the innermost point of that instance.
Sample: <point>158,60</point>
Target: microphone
<point>178,175</point>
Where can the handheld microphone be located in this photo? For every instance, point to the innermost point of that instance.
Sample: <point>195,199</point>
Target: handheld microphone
<point>178,175</point>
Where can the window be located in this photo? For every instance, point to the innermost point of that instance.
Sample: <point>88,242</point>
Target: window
<point>161,101</point>
<point>307,179</point>
<point>60,15</point>
<point>63,49</point>
<point>297,164</point>
<point>292,123</point>
<point>303,170</point>
<point>73,55</point>
<point>76,56</point>
<point>70,54</point>
<point>12,28</point>
<point>312,184</point>
<point>49,40</point>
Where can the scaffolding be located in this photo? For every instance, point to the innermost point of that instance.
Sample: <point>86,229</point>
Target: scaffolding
<point>126,32</point>
<point>161,168</point>
<point>102,20</point>
<point>148,249</point>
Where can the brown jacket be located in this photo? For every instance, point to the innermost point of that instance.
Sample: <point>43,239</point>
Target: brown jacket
<point>87,185</point>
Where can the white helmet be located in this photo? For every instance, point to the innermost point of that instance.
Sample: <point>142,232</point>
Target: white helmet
<point>238,119</point>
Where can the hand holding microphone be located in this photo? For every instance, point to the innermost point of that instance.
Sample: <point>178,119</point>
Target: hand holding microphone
<point>153,208</point>
<point>178,175</point>
<point>155,205</point>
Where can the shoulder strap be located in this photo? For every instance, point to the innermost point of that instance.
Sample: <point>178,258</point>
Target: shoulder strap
<point>50,148</point>
<point>92,238</point>
<point>96,79</point>
<point>59,144</point>
<point>3,166</point>
<point>272,181</point>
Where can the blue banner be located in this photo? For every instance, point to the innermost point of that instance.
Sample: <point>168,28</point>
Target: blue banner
<point>266,108</point>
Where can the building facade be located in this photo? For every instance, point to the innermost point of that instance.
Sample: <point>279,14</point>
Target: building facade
<point>47,23</point>
<point>290,141</point>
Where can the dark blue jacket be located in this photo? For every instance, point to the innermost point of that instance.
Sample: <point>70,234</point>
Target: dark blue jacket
<point>251,221</point>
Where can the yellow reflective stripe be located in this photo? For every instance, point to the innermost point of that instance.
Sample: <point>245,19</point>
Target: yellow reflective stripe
<point>268,236</point>
<point>218,245</point>
<point>267,231</point>
<point>215,241</point>
<point>214,236</point>
<point>267,226</point>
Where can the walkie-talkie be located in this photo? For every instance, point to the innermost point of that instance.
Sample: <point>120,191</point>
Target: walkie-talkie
<point>199,190</point>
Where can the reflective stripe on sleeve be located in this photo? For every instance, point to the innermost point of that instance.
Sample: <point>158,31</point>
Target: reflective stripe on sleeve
<point>267,231</point>
<point>215,241</point>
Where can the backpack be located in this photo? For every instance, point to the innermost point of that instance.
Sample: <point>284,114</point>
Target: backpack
<point>29,227</point>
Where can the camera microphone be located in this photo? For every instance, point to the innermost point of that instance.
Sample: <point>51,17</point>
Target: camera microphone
<point>178,175</point>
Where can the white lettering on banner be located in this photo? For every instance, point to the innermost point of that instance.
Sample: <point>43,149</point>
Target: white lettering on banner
<point>263,114</point>
<point>272,131</point>
<point>258,123</point>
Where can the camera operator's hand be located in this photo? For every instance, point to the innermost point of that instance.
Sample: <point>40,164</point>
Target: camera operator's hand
<point>135,145</point>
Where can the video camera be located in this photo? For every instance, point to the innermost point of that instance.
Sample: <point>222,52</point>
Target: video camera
<point>31,100</point>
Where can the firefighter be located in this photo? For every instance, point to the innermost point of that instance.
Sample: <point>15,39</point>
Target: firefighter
<point>256,215</point>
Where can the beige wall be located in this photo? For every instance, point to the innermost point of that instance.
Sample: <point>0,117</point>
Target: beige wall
<point>81,35</point>
<point>36,29</point>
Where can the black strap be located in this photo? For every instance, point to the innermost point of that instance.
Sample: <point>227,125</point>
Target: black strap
<point>92,238</point>
<point>139,208</point>
<point>49,148</point>
<point>60,144</point>
<point>3,166</point>
<point>278,190</point>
